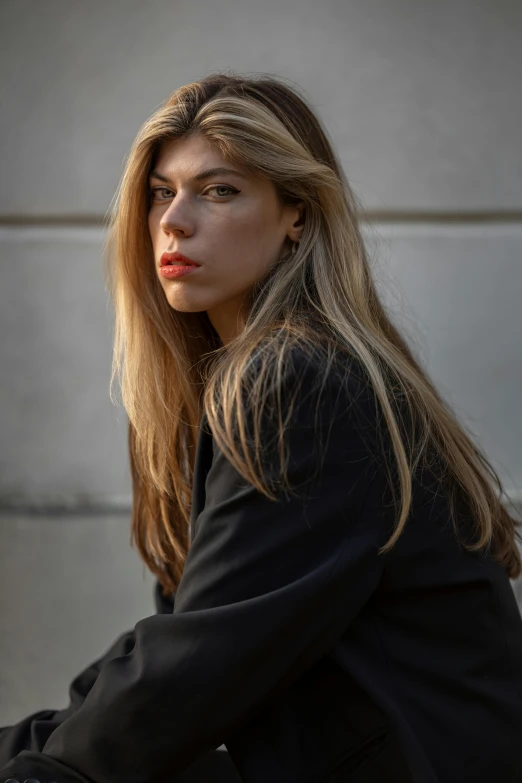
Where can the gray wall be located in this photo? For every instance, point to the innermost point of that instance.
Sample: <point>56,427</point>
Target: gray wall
<point>422,101</point>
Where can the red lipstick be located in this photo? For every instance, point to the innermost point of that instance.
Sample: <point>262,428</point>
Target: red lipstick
<point>176,265</point>
<point>176,258</point>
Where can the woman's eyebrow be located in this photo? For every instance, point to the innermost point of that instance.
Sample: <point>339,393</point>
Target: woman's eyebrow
<point>202,174</point>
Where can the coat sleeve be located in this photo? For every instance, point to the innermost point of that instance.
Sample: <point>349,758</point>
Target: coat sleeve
<point>33,731</point>
<point>267,590</point>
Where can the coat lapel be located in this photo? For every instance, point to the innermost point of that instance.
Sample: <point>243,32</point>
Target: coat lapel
<point>202,463</point>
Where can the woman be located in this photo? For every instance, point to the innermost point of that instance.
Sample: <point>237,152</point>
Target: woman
<point>331,541</point>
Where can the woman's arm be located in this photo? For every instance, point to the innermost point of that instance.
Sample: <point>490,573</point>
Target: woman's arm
<point>33,731</point>
<point>266,591</point>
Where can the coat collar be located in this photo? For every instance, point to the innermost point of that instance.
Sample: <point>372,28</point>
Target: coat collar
<point>202,463</point>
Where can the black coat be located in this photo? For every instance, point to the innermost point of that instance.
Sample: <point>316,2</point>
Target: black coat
<point>313,659</point>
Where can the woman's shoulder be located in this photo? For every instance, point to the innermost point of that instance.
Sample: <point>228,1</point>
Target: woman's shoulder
<point>335,378</point>
<point>311,366</point>
<point>322,388</point>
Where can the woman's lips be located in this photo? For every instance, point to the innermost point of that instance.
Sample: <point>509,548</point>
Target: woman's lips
<point>172,258</point>
<point>177,270</point>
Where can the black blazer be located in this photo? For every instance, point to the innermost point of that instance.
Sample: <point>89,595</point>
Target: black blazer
<point>313,659</point>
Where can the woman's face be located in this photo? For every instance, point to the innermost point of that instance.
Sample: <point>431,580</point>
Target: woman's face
<point>231,223</point>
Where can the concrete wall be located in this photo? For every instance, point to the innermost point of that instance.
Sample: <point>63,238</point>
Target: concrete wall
<point>422,101</point>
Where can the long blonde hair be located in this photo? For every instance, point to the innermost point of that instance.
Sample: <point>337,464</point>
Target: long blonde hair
<point>172,365</point>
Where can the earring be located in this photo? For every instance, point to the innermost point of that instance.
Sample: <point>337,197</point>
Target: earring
<point>294,248</point>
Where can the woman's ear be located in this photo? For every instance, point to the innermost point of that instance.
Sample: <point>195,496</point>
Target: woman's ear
<point>296,219</point>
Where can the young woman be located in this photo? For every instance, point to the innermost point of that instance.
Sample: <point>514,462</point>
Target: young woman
<point>331,551</point>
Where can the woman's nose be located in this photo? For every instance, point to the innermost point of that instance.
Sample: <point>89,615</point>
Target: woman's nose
<point>177,217</point>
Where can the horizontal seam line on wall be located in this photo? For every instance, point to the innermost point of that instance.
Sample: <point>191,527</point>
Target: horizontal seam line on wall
<point>63,504</point>
<point>45,504</point>
<point>366,216</point>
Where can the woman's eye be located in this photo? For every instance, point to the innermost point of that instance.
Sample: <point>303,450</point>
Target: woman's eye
<point>155,191</point>
<point>226,187</point>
